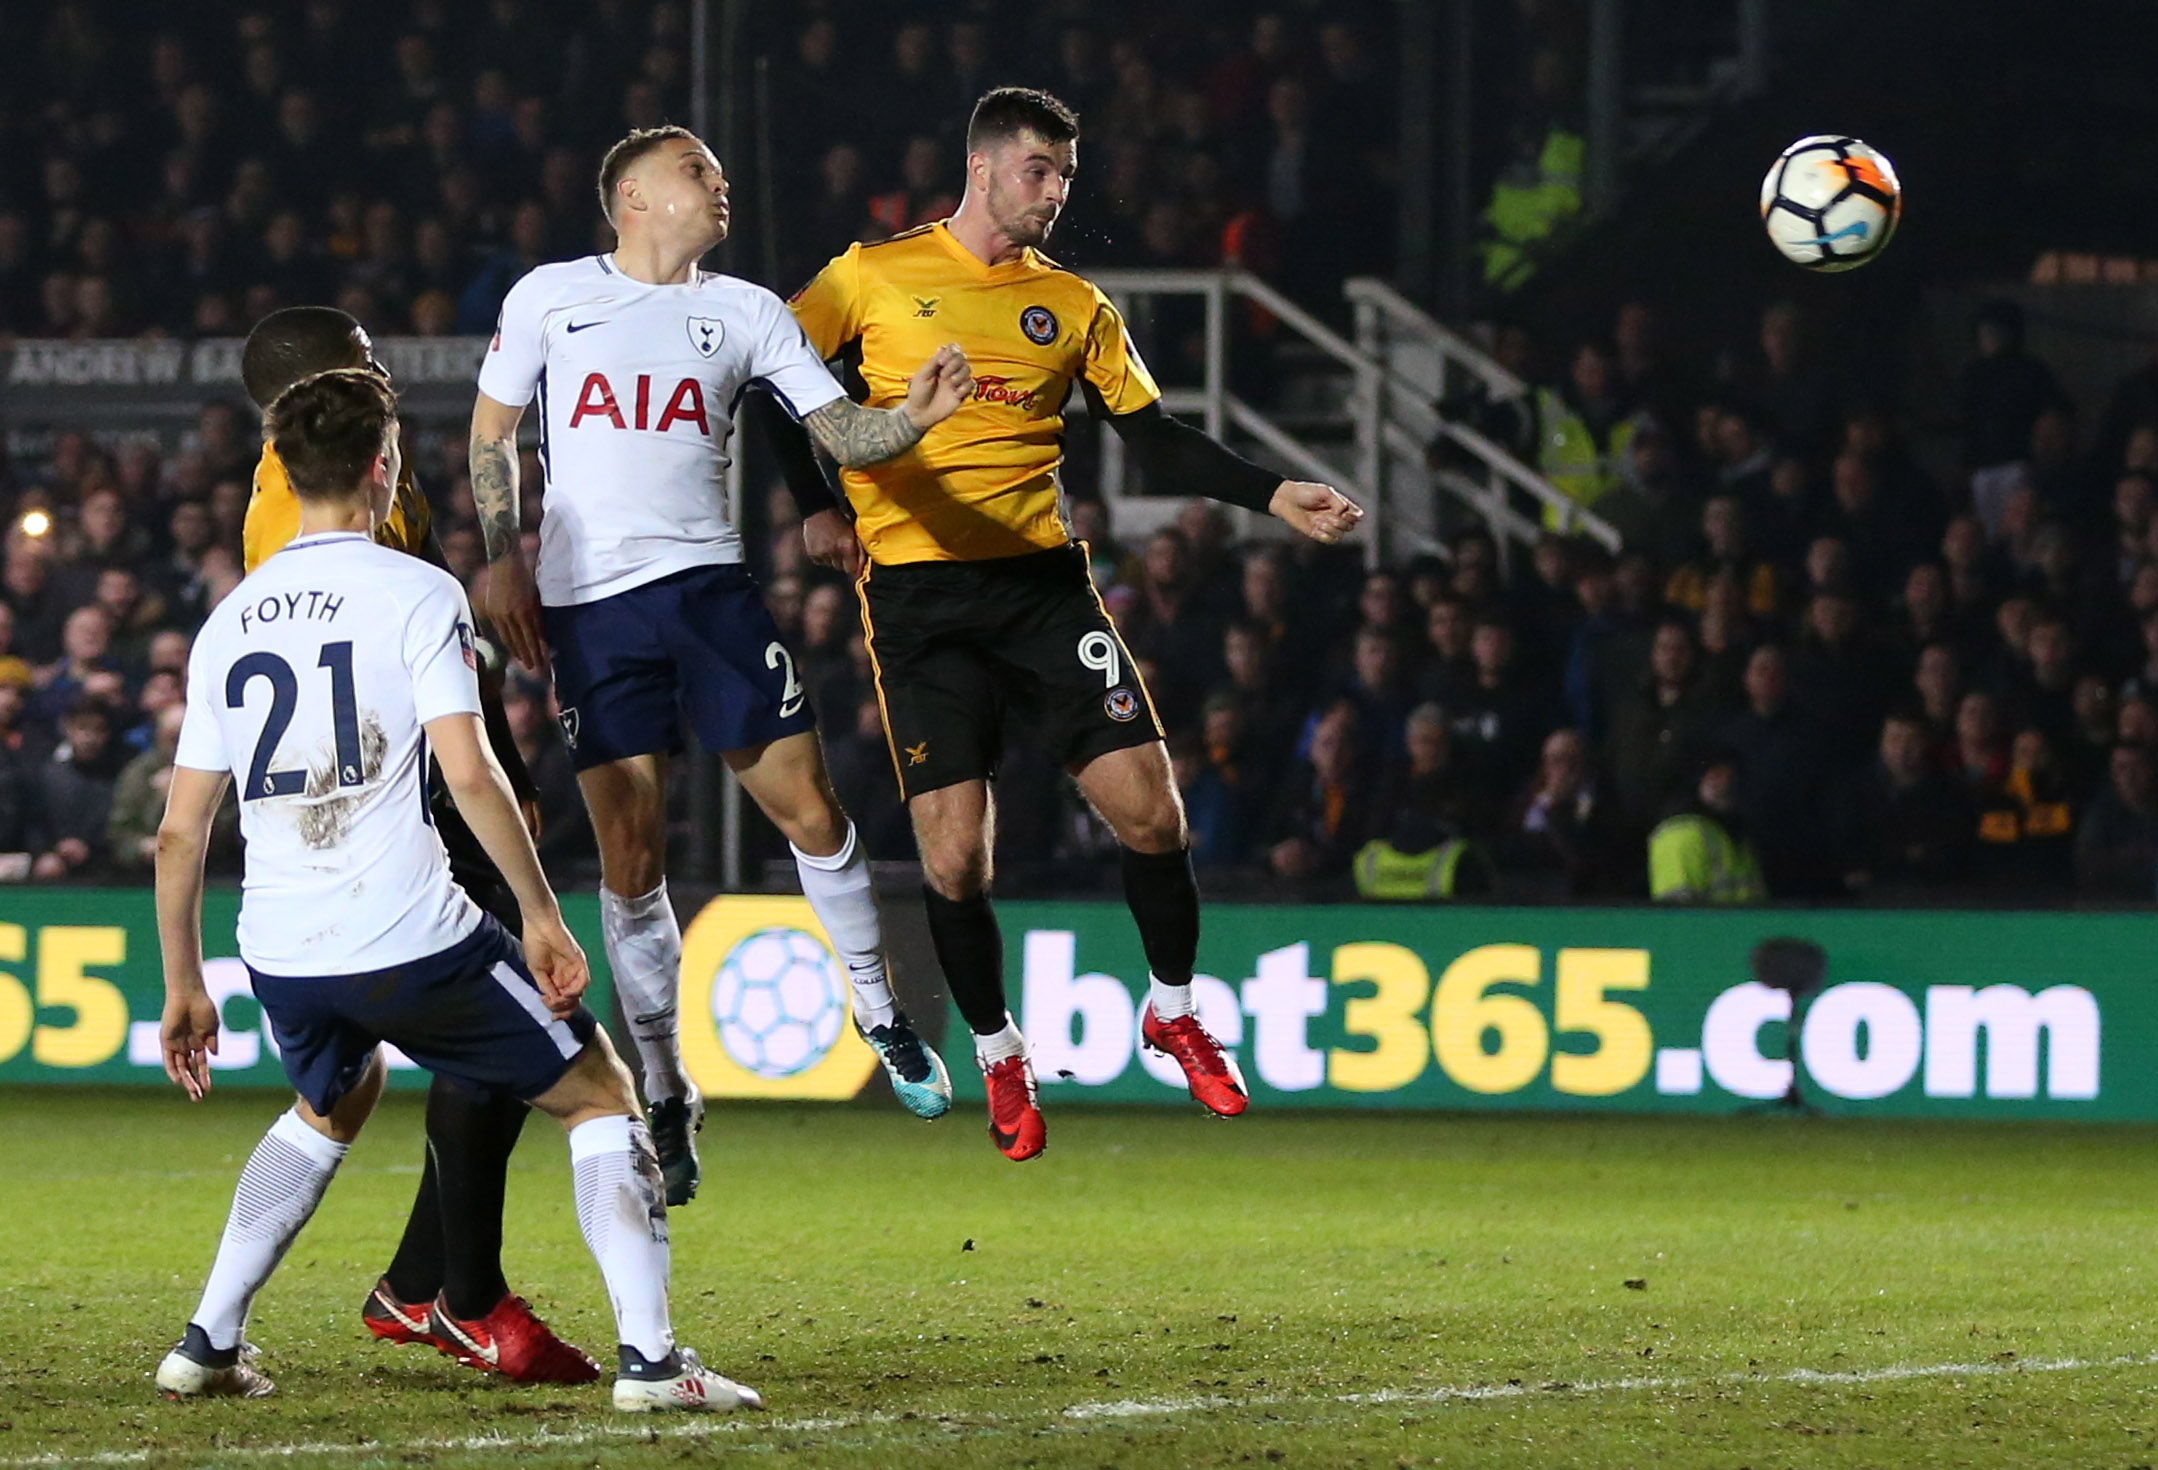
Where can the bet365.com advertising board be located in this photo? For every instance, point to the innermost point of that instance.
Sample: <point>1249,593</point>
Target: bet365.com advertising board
<point>1644,1010</point>
<point>82,989</point>
<point>1919,1014</point>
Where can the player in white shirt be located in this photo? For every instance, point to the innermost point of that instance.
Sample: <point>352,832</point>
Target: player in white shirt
<point>320,685</point>
<point>641,600</point>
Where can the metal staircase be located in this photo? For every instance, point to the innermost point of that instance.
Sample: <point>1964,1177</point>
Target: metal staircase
<point>1359,414</point>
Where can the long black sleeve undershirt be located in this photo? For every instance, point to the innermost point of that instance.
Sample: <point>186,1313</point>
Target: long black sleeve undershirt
<point>798,463</point>
<point>1178,459</point>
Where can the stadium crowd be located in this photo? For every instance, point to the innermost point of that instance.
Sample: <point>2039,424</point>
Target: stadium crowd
<point>1814,671</point>
<point>184,171</point>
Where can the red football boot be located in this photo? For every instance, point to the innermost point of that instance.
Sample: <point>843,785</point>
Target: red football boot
<point>511,1341</point>
<point>1015,1117</point>
<point>398,1321</point>
<point>1211,1072</point>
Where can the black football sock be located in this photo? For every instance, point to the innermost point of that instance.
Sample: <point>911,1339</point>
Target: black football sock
<point>415,1273</point>
<point>1164,896</point>
<point>971,950</point>
<point>469,1137</point>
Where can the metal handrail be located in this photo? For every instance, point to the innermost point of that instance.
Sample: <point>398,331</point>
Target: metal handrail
<point>1499,380</point>
<point>1390,414</point>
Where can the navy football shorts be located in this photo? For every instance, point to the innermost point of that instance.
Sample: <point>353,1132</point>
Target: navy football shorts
<point>471,1013</point>
<point>700,645</point>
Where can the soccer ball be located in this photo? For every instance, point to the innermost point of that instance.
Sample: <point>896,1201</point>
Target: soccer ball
<point>1830,203</point>
<point>780,1000</point>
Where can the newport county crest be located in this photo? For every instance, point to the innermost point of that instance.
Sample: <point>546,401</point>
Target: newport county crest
<point>1121,704</point>
<point>1040,325</point>
<point>705,334</point>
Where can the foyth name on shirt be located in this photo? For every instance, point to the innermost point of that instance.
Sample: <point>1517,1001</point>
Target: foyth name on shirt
<point>313,605</point>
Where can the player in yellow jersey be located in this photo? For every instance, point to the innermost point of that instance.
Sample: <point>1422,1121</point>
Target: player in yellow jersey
<point>975,600</point>
<point>444,1287</point>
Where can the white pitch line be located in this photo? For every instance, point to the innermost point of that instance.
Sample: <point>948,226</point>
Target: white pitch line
<point>1117,1409</point>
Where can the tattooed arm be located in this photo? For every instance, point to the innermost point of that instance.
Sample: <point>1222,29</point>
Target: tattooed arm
<point>511,599</point>
<point>856,436</point>
<point>492,462</point>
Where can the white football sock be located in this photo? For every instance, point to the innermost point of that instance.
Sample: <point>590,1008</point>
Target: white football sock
<point>838,889</point>
<point>622,1210</point>
<point>1000,1046</point>
<point>644,949</point>
<point>1169,1001</point>
<point>278,1190</point>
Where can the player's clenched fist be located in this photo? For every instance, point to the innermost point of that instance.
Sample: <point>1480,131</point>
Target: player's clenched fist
<point>939,386</point>
<point>1318,511</point>
<point>557,963</point>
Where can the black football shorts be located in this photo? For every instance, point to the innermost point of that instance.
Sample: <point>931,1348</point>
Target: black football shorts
<point>960,646</point>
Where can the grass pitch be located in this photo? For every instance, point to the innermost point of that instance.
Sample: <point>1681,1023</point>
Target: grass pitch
<point>1159,1289</point>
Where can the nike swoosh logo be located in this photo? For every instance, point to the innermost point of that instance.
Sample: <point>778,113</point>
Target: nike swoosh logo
<point>490,1353</point>
<point>1856,229</point>
<point>580,326</point>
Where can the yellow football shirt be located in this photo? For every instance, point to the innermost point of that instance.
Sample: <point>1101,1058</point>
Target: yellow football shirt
<point>273,514</point>
<point>983,483</point>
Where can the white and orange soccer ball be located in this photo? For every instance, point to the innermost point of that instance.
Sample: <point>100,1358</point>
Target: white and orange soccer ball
<point>1830,203</point>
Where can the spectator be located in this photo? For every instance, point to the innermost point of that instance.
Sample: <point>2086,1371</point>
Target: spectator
<point>1560,839</point>
<point>22,813</point>
<point>1429,796</point>
<point>1723,528</point>
<point>85,667</point>
<point>1270,715</point>
<point>1503,713</point>
<point>1702,853</point>
<point>2004,390</point>
<point>1170,627</point>
<point>1661,729</point>
<point>15,670</point>
<point>1981,758</point>
<point>37,613</point>
<point>1448,670</point>
<point>2117,844</point>
<point>1218,793</point>
<point>138,800</point>
<point>1584,428</point>
<point>78,789</point>
<point>823,657</point>
<point>1379,690</point>
<point>2026,825</point>
<point>1609,643</point>
<point>1783,780</point>
<point>1914,827</point>
<point>922,196</point>
<point>1323,812</point>
<point>1837,678</point>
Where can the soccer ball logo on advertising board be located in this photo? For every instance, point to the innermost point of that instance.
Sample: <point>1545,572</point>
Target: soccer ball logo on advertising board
<point>780,1002</point>
<point>764,1003</point>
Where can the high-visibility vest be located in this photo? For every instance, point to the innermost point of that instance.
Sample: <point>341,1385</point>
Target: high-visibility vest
<point>1571,459</point>
<point>1528,206</point>
<point>1693,859</point>
<point>1453,868</point>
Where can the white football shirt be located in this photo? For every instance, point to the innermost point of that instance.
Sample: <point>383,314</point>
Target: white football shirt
<point>637,386</point>
<point>311,683</point>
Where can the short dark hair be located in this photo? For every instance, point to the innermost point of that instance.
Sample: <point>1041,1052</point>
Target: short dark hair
<point>329,428</point>
<point>1006,112</point>
<point>294,343</point>
<point>625,155</point>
